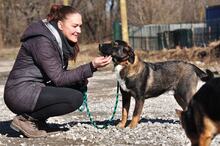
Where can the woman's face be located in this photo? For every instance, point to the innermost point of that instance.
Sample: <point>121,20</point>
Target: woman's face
<point>71,26</point>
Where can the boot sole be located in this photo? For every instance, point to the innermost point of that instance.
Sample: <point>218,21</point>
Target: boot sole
<point>19,129</point>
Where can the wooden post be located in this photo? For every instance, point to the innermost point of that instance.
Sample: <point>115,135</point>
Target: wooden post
<point>1,40</point>
<point>65,2</point>
<point>124,22</point>
<point>1,21</point>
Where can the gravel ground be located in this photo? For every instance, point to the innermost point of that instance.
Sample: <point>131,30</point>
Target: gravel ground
<point>159,125</point>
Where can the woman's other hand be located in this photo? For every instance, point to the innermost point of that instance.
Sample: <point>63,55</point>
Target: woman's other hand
<point>101,61</point>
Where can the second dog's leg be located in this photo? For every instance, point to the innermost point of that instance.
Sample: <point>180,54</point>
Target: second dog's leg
<point>126,99</point>
<point>139,103</point>
<point>205,140</point>
<point>208,132</point>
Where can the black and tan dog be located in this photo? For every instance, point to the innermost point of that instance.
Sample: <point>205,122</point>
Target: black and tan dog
<point>144,80</point>
<point>201,120</point>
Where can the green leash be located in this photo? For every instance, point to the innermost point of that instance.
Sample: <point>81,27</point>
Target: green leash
<point>85,105</point>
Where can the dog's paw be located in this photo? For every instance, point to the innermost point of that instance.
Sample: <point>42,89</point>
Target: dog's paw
<point>132,125</point>
<point>120,125</point>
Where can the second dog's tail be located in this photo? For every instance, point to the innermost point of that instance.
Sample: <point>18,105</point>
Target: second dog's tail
<point>204,76</point>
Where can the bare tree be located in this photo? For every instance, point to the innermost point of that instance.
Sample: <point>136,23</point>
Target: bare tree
<point>97,18</point>
<point>99,15</point>
<point>1,14</point>
<point>16,15</point>
<point>170,11</point>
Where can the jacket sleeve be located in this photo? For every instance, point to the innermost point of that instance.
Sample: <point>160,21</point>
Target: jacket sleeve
<point>48,59</point>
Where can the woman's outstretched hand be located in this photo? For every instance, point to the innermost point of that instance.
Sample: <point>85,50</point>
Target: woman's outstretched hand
<point>101,61</point>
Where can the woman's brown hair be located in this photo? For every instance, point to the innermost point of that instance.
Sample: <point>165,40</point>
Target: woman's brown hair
<point>59,13</point>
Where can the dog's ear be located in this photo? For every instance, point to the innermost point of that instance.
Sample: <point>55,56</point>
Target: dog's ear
<point>121,42</point>
<point>131,56</point>
<point>130,52</point>
<point>178,112</point>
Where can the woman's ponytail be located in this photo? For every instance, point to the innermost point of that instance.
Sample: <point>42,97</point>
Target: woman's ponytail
<point>54,14</point>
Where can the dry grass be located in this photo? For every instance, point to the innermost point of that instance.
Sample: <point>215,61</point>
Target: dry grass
<point>86,54</point>
<point>8,53</point>
<point>209,56</point>
<point>203,57</point>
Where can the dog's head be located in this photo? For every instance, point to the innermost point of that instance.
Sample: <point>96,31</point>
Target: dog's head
<point>119,50</point>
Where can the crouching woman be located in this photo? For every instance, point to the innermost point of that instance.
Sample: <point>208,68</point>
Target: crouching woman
<point>39,85</point>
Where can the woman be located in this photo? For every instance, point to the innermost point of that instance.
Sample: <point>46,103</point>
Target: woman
<point>39,85</point>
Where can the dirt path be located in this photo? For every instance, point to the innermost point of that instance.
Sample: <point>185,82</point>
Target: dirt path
<point>159,125</point>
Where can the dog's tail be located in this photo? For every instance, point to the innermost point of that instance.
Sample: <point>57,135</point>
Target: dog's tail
<point>204,76</point>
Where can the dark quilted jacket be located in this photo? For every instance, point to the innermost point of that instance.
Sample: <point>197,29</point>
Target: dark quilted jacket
<point>38,61</point>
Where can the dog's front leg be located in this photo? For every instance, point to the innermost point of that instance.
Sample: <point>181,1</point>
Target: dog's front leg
<point>139,103</point>
<point>204,140</point>
<point>126,99</point>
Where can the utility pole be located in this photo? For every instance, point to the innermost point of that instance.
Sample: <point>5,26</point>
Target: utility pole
<point>124,21</point>
<point>65,2</point>
<point>1,26</point>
